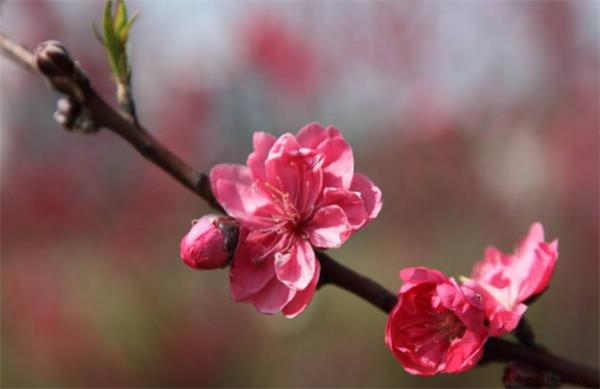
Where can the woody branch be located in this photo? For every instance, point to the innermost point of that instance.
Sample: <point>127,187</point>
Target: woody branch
<point>66,77</point>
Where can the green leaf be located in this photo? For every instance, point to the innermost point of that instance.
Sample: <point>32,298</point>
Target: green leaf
<point>124,32</point>
<point>116,27</point>
<point>120,17</point>
<point>97,33</point>
<point>111,42</point>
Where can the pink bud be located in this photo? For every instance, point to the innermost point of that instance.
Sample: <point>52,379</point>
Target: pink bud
<point>210,243</point>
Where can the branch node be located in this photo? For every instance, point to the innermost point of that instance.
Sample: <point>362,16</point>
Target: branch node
<point>71,115</point>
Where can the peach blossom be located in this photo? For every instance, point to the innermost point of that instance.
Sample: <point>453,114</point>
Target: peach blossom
<point>295,194</point>
<point>437,325</point>
<point>508,280</point>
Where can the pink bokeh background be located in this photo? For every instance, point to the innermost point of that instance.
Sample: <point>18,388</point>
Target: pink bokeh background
<point>474,118</point>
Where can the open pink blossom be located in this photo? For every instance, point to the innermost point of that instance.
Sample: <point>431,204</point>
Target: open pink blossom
<point>437,326</point>
<point>296,193</point>
<point>508,280</point>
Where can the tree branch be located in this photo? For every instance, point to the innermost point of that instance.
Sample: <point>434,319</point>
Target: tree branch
<point>500,350</point>
<point>76,86</point>
<point>335,273</point>
<point>17,53</point>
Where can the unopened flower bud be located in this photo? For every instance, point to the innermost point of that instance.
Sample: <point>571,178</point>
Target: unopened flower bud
<point>210,243</point>
<point>53,59</point>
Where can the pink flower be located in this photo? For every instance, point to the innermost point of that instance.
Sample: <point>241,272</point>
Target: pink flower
<point>296,193</point>
<point>210,243</point>
<point>508,280</point>
<point>437,325</point>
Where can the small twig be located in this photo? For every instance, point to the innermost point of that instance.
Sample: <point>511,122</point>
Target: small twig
<point>79,88</point>
<point>17,53</point>
<point>332,272</point>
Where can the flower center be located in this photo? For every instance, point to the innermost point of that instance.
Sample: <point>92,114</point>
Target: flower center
<point>288,219</point>
<point>450,326</point>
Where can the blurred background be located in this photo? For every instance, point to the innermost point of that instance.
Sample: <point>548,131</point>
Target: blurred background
<point>475,119</point>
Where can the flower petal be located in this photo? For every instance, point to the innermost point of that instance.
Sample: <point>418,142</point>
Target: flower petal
<point>248,276</point>
<point>338,163</point>
<point>328,227</point>
<point>294,174</point>
<point>502,321</point>
<point>537,260</point>
<point>234,189</point>
<point>465,354</point>
<point>281,173</point>
<point>536,271</point>
<point>530,242</point>
<point>302,297</point>
<point>273,297</point>
<point>490,268</point>
<point>508,280</point>
<point>313,134</point>
<point>350,202</point>
<point>548,254</point>
<point>371,194</point>
<point>413,276</point>
<point>262,142</point>
<point>512,279</point>
<point>296,268</point>
<point>232,172</point>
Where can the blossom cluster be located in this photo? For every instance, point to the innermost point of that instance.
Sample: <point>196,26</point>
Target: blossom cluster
<point>441,326</point>
<point>296,193</point>
<point>299,193</point>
